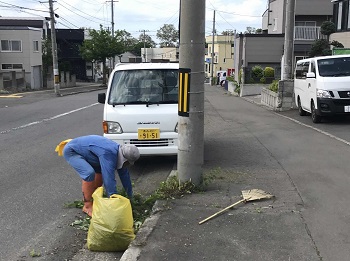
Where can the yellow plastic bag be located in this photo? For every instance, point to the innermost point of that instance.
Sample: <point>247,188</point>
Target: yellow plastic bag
<point>111,225</point>
<point>60,147</point>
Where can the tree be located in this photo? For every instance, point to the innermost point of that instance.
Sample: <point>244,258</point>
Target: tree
<point>250,30</point>
<point>143,41</point>
<point>168,35</point>
<point>103,45</point>
<point>321,47</point>
<point>227,32</point>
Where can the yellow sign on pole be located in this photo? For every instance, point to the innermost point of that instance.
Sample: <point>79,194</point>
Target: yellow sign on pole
<point>184,89</point>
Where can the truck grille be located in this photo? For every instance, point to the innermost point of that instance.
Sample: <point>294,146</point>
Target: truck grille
<point>153,143</point>
<point>344,94</point>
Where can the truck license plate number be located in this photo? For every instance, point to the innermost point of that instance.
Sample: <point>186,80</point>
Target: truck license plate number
<point>148,134</point>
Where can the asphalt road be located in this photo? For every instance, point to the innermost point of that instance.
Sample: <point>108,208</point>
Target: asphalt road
<point>36,183</point>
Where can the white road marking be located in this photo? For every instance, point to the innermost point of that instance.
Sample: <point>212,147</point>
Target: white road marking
<point>48,119</point>
<point>318,130</point>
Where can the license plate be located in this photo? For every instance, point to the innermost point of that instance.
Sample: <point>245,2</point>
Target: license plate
<point>148,134</point>
<point>346,108</point>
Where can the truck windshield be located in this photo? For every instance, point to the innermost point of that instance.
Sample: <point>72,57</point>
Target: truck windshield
<point>334,67</point>
<point>151,86</point>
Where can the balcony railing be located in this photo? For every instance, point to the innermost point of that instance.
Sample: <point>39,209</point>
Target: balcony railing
<point>308,33</point>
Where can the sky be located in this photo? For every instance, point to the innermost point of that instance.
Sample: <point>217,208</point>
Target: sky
<point>135,16</point>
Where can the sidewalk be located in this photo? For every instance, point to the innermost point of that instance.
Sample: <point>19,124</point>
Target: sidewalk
<point>80,88</point>
<point>259,230</point>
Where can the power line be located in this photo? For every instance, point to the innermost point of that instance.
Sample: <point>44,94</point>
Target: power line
<point>21,7</point>
<point>225,12</point>
<point>81,11</point>
<point>77,13</point>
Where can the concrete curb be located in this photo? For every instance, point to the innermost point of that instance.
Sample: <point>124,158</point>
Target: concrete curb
<point>83,91</point>
<point>135,247</point>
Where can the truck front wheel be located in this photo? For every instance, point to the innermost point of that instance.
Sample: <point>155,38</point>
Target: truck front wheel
<point>315,118</point>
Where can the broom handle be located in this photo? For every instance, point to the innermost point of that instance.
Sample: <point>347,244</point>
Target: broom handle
<point>219,212</point>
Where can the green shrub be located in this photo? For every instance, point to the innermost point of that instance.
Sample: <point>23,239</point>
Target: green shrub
<point>257,72</point>
<point>237,88</point>
<point>263,80</point>
<point>274,86</point>
<point>230,78</point>
<point>269,72</point>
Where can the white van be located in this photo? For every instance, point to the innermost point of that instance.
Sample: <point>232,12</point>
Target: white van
<point>141,107</point>
<point>322,86</point>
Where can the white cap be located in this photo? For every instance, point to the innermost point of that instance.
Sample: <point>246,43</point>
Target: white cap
<point>128,153</point>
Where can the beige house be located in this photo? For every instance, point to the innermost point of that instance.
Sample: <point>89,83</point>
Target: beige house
<point>223,54</point>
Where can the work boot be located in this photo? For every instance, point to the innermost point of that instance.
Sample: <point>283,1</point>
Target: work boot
<point>87,188</point>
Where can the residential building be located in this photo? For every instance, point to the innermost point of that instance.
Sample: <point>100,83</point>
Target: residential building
<point>267,48</point>
<point>68,54</point>
<point>128,57</point>
<point>341,18</point>
<point>170,54</point>
<point>21,47</point>
<point>223,48</point>
<point>309,15</point>
<point>21,50</point>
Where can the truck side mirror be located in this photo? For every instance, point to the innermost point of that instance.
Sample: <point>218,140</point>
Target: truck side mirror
<point>310,75</point>
<point>101,98</point>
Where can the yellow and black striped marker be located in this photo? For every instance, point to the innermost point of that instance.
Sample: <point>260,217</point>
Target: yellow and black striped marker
<point>184,89</point>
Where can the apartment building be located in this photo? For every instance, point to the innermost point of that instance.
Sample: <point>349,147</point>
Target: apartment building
<point>267,49</point>
<point>309,16</point>
<point>222,46</point>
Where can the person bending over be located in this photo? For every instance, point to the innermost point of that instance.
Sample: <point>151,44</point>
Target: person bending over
<point>95,158</point>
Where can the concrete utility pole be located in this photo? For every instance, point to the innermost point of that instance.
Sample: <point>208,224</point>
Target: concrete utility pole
<point>144,44</point>
<point>289,40</point>
<point>54,51</point>
<point>191,91</point>
<point>112,22</point>
<point>113,60</point>
<point>212,52</point>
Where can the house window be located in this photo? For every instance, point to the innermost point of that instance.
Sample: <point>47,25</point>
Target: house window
<point>9,66</point>
<point>275,20</point>
<point>11,46</point>
<point>340,11</point>
<point>36,46</point>
<point>305,23</point>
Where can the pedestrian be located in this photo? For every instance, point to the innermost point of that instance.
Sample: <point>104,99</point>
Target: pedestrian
<point>95,158</point>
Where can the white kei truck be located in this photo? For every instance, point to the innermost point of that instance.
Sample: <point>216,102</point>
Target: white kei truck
<point>322,86</point>
<point>141,107</point>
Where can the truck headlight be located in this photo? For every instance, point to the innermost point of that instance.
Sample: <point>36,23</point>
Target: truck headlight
<point>110,127</point>
<point>323,94</point>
